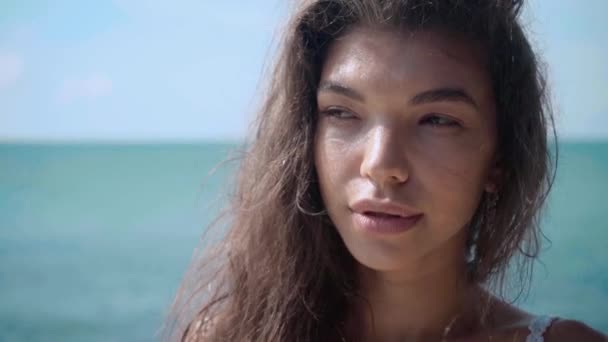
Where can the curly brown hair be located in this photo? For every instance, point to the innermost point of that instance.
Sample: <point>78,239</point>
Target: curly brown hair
<point>282,273</point>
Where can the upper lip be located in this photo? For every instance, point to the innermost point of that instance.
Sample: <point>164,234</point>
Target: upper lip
<point>383,207</point>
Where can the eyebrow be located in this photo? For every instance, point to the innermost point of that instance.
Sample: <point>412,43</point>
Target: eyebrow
<point>340,89</point>
<point>445,94</point>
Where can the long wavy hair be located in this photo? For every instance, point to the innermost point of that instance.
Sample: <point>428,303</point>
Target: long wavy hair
<point>282,272</point>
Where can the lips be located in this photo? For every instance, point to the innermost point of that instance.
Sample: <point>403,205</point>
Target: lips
<point>383,207</point>
<point>384,217</point>
<point>381,215</point>
<point>385,224</point>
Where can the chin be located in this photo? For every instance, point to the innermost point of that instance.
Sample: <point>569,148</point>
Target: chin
<point>412,251</point>
<point>381,256</point>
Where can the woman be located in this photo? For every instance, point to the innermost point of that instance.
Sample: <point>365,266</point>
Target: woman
<point>400,165</point>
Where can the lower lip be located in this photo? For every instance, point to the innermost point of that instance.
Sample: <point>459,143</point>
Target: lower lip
<point>385,224</point>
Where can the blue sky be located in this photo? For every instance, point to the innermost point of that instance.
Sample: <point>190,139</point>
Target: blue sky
<point>146,70</point>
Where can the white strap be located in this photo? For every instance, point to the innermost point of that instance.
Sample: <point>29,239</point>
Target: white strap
<point>537,327</point>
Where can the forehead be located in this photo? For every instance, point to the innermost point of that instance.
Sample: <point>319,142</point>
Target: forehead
<point>384,60</point>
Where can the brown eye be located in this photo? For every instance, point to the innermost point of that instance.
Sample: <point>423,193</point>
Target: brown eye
<point>439,121</point>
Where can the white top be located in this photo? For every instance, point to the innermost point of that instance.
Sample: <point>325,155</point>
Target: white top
<point>537,327</point>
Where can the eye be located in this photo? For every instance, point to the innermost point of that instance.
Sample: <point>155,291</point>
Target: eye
<point>339,113</point>
<point>439,121</point>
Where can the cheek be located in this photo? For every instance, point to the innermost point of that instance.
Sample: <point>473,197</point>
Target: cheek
<point>453,177</point>
<point>334,167</point>
<point>331,152</point>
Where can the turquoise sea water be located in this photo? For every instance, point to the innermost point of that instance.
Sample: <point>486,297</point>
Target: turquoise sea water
<point>95,238</point>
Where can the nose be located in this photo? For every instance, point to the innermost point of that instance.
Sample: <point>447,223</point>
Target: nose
<point>384,161</point>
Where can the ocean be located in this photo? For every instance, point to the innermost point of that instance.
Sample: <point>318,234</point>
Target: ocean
<point>95,238</point>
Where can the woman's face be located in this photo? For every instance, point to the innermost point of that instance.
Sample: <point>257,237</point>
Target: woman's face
<point>404,145</point>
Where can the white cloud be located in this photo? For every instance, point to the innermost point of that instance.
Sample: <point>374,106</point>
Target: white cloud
<point>11,69</point>
<point>88,87</point>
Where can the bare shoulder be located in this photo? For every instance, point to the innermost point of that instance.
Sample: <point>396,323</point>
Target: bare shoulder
<point>511,323</point>
<point>505,316</point>
<point>571,330</point>
<point>516,322</point>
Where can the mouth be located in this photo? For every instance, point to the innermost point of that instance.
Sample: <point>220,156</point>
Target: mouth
<point>383,223</point>
<point>380,214</point>
<point>373,207</point>
<point>383,217</point>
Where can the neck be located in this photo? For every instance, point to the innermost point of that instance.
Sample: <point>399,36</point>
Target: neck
<point>420,303</point>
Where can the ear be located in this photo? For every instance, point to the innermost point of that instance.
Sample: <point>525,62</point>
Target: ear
<point>495,178</point>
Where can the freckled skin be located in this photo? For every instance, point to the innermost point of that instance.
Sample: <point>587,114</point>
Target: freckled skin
<point>383,148</point>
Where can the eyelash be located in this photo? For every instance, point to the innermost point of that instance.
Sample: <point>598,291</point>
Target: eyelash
<point>337,113</point>
<point>431,120</point>
<point>427,120</point>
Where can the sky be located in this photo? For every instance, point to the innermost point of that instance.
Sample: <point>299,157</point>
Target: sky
<point>191,70</point>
